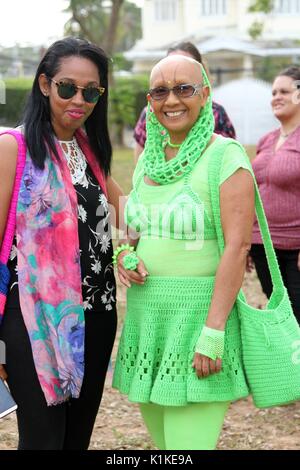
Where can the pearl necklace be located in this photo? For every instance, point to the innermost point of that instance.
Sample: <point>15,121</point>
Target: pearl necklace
<point>75,159</point>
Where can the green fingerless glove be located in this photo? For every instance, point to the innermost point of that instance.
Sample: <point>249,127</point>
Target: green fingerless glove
<point>211,343</point>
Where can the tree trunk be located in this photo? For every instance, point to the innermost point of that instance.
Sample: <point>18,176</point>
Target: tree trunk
<point>88,34</point>
<point>112,28</point>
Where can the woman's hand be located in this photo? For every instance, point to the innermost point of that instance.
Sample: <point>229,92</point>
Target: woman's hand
<point>3,374</point>
<point>204,366</point>
<point>127,276</point>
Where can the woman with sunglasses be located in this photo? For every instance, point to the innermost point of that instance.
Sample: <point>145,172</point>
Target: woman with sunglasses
<point>60,318</point>
<point>180,352</point>
<point>223,125</point>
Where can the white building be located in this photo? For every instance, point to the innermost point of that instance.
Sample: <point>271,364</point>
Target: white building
<point>219,28</point>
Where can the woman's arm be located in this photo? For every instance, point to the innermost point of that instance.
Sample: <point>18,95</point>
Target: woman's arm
<point>117,199</point>
<point>8,163</point>
<point>237,200</point>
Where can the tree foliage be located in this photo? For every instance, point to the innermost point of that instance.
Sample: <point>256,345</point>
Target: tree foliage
<point>271,66</point>
<point>264,6</point>
<point>127,97</point>
<point>256,29</point>
<point>259,6</point>
<point>114,25</point>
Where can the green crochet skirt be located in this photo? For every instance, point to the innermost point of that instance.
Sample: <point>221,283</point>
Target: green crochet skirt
<point>162,325</point>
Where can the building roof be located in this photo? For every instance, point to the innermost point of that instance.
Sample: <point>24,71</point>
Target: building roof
<point>216,44</point>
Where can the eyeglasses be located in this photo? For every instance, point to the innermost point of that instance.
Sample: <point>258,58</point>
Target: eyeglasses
<point>185,90</point>
<point>67,90</point>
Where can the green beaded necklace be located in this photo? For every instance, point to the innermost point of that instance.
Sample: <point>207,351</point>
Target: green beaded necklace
<point>155,165</point>
<point>173,146</point>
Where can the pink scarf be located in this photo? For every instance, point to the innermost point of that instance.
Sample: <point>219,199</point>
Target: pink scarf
<point>49,272</point>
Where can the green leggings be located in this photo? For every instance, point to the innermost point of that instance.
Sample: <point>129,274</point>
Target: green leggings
<point>192,427</point>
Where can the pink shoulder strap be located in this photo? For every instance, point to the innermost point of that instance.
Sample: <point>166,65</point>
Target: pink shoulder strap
<point>11,220</point>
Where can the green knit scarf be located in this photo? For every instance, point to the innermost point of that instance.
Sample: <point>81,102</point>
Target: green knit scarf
<point>155,165</point>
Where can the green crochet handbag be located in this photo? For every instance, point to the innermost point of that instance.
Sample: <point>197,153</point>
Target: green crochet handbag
<point>270,337</point>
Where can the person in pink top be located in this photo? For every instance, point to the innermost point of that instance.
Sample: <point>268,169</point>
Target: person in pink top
<point>277,170</point>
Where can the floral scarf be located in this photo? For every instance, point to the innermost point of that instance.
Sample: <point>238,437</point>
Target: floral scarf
<point>49,272</point>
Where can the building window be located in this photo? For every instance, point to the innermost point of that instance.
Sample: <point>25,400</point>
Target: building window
<point>286,7</point>
<point>213,7</point>
<point>165,10</point>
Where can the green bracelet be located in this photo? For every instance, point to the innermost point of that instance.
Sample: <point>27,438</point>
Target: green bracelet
<point>119,250</point>
<point>211,343</point>
<point>130,261</point>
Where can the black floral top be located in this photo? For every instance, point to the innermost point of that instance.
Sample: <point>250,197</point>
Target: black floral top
<point>95,244</point>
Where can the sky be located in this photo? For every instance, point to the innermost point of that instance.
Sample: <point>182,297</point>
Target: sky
<point>33,22</point>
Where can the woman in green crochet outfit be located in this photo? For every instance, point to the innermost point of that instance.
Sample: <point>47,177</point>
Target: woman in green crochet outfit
<point>180,353</point>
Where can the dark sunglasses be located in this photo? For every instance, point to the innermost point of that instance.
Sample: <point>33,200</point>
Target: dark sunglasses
<point>67,90</point>
<point>186,90</point>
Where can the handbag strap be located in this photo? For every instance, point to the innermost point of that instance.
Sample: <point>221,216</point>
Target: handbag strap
<point>214,179</point>
<point>11,219</point>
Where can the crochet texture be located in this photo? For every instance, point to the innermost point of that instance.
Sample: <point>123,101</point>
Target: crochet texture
<point>163,322</point>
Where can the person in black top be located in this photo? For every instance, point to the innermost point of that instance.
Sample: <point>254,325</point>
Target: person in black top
<point>69,93</point>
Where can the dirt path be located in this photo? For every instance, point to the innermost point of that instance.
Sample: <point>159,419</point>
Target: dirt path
<point>119,425</point>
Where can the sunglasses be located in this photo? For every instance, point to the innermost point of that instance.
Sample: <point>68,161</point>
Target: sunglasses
<point>186,90</point>
<point>67,90</point>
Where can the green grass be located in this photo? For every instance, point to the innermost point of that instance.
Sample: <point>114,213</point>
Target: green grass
<point>251,149</point>
<point>19,83</point>
<point>122,167</point>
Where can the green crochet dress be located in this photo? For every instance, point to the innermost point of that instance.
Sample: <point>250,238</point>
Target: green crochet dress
<point>165,316</point>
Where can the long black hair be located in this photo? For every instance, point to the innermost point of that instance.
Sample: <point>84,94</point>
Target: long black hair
<point>39,132</point>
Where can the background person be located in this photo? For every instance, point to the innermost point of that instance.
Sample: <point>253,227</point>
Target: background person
<point>277,170</point>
